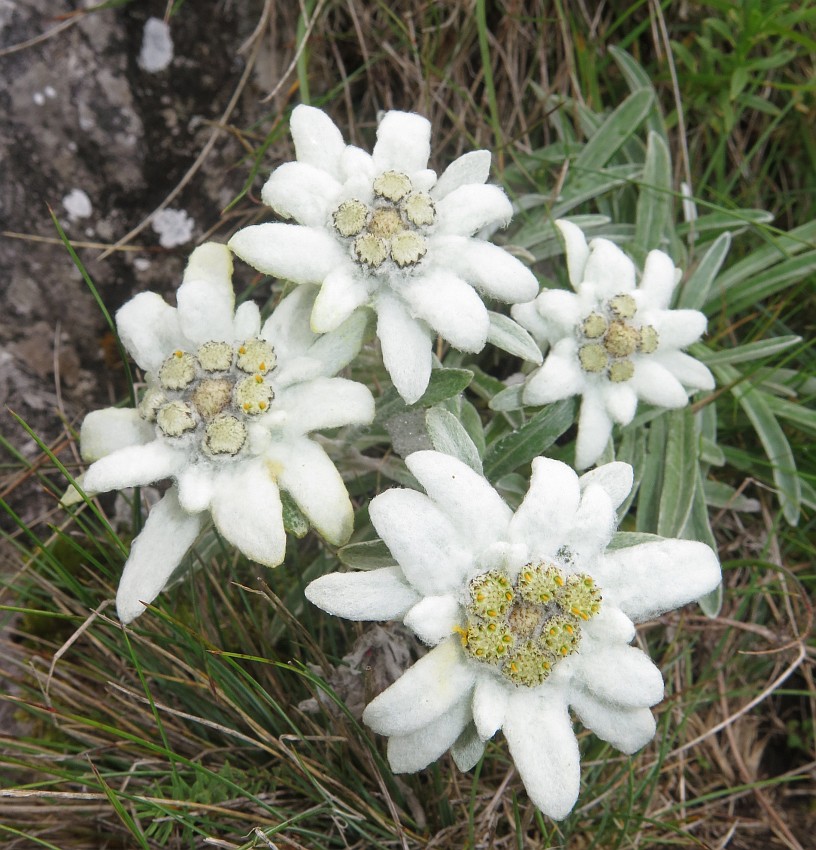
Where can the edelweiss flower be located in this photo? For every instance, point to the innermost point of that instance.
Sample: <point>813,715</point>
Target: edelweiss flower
<point>610,341</point>
<point>529,614</point>
<point>226,414</point>
<point>381,230</point>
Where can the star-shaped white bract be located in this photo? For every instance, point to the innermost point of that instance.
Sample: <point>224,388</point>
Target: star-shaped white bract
<point>382,230</point>
<point>613,341</point>
<point>226,416</point>
<point>529,614</point>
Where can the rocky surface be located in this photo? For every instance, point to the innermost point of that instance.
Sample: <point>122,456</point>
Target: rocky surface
<point>86,130</point>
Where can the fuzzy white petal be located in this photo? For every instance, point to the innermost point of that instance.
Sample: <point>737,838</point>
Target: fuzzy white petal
<point>656,385</point>
<point>289,251</point>
<point>406,347</point>
<point>594,429</point>
<point>616,479</point>
<point>307,473</point>
<point>659,279</point>
<point>529,318</point>
<point>627,729</point>
<point>676,328</point>
<point>379,594</point>
<point>156,552</point>
<point>451,307</point>
<point>302,192</point>
<point>488,267</point>
<point>471,207</point>
<point>134,466</point>
<point>690,372</point>
<point>650,578</point>
<point>247,322</point>
<point>468,749</point>
<point>358,170</point>
<point>288,326</point>
<point>560,377</point>
<point>403,142</point>
<point>548,509</point>
<point>341,294</point>
<point>620,401</point>
<point>206,301</point>
<point>576,248</point>
<point>106,431</point>
<point>416,750</point>
<point>336,349</point>
<point>196,487</point>
<point>433,618</point>
<point>317,140</point>
<point>325,403</point>
<point>424,692</point>
<point>561,310</point>
<point>472,167</point>
<point>609,268</point>
<point>423,180</point>
<point>490,701</point>
<point>621,674</point>
<point>421,538</point>
<point>545,750</point>
<point>474,507</point>
<point>149,329</point>
<point>246,509</point>
<point>593,525</point>
<point>610,625</point>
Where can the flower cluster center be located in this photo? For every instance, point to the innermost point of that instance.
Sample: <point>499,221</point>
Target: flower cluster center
<point>609,337</point>
<point>524,629</point>
<point>392,228</point>
<point>209,396</point>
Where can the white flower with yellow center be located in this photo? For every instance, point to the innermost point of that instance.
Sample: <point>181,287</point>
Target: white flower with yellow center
<point>382,230</point>
<point>612,341</point>
<point>529,613</point>
<point>226,416</point>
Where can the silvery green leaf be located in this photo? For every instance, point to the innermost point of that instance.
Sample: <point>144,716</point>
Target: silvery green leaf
<point>734,221</point>
<point>449,437</point>
<point>680,471</point>
<point>651,483</point>
<point>637,78</point>
<point>592,184</point>
<point>782,246</point>
<point>693,294</point>
<point>511,337</point>
<point>761,286</point>
<point>622,123</point>
<point>745,353</point>
<point>655,198</point>
<point>293,519</point>
<point>472,423</point>
<point>625,539</point>
<point>508,399</point>
<point>720,495</point>
<point>370,555</point>
<point>529,441</point>
<point>777,448</point>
